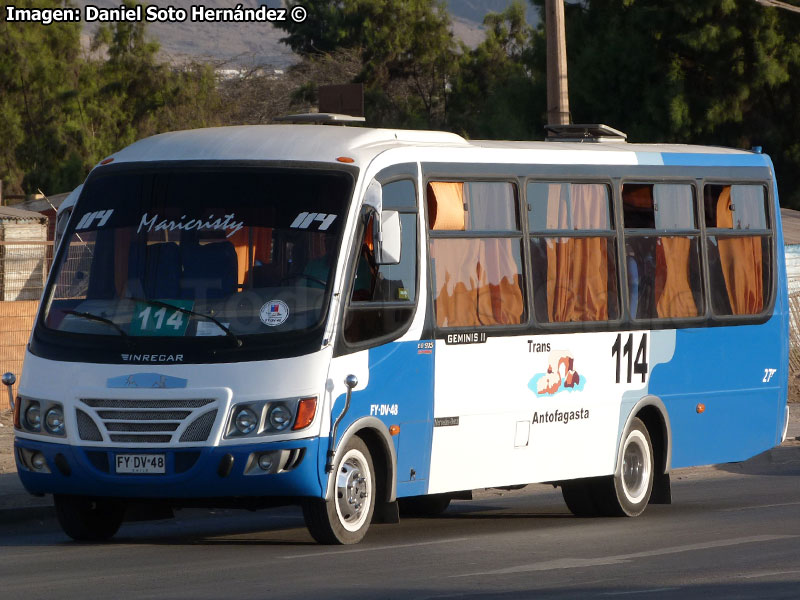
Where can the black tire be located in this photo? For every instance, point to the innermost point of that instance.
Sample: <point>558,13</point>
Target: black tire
<point>345,518</point>
<point>627,493</point>
<point>624,494</point>
<point>424,506</point>
<point>578,496</point>
<point>89,519</point>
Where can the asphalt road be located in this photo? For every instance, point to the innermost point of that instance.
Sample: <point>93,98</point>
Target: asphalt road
<point>730,533</point>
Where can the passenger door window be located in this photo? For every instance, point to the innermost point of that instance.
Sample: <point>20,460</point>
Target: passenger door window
<point>383,297</point>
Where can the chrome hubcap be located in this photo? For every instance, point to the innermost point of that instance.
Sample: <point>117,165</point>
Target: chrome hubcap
<point>353,486</point>
<point>635,468</point>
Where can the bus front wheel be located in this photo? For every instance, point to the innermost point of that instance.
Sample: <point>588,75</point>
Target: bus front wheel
<point>89,519</point>
<point>345,518</point>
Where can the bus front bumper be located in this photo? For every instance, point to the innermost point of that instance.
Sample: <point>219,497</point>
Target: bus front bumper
<point>292,470</point>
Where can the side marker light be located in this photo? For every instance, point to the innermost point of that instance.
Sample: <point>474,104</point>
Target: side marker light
<point>701,408</point>
<point>394,429</point>
<point>306,409</point>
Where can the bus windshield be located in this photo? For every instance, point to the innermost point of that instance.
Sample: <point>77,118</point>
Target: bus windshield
<point>199,252</point>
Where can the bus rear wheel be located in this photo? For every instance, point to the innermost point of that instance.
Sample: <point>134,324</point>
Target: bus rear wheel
<point>579,498</point>
<point>89,519</point>
<point>627,493</point>
<point>345,518</point>
<point>624,494</point>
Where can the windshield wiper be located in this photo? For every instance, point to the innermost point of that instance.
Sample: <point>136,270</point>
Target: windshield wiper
<point>98,318</point>
<point>193,313</point>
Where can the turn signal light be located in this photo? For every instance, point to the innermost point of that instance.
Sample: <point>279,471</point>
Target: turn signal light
<point>306,409</point>
<point>701,408</point>
<point>394,429</point>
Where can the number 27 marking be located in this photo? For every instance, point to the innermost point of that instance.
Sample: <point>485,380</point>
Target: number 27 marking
<point>637,366</point>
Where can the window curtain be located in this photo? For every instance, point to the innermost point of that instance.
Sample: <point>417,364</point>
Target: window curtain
<point>446,206</point>
<point>747,207</point>
<point>741,258</point>
<point>491,206</point>
<point>260,239</point>
<point>673,204</point>
<point>477,280</point>
<point>577,268</point>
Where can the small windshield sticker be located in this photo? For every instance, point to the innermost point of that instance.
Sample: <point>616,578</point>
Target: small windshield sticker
<point>101,216</point>
<point>305,219</point>
<point>157,320</point>
<point>149,224</point>
<point>274,313</point>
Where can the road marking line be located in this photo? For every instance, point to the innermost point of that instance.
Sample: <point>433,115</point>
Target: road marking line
<point>651,591</point>
<point>374,548</point>
<point>577,563</point>
<point>758,506</point>
<point>768,574</point>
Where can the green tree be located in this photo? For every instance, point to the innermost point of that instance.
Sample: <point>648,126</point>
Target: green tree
<point>721,72</point>
<point>495,94</point>
<point>61,112</point>
<point>407,52</point>
<point>37,82</point>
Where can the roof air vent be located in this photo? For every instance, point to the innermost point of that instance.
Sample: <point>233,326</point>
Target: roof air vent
<point>575,132</point>
<point>321,119</point>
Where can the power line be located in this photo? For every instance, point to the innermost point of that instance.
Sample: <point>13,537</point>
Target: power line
<point>779,4</point>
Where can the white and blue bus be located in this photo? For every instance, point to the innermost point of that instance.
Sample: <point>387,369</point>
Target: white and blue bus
<point>357,320</point>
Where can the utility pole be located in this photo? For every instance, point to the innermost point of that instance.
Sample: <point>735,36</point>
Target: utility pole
<point>557,91</point>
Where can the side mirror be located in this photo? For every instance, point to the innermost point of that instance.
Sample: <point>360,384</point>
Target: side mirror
<point>388,238</point>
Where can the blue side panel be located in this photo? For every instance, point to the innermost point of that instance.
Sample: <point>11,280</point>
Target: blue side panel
<point>724,369</point>
<point>400,392</point>
<point>782,304</point>
<point>691,159</point>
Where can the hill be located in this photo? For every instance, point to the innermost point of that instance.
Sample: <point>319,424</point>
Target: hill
<point>250,44</point>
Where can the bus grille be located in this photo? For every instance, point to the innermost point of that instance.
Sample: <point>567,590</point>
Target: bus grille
<point>152,421</point>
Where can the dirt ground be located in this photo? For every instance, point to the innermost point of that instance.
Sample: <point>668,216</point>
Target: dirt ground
<point>7,442</point>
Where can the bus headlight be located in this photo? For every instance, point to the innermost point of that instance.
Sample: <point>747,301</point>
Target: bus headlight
<point>54,421</point>
<point>33,417</point>
<point>280,417</point>
<point>245,420</point>
<point>270,417</point>
<point>40,416</point>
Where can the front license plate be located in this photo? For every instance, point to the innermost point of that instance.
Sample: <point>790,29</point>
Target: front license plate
<point>153,464</point>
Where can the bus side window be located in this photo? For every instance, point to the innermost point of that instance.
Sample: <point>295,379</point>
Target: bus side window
<point>477,279</point>
<point>739,249</point>
<point>383,296</point>
<point>663,270</point>
<point>573,252</point>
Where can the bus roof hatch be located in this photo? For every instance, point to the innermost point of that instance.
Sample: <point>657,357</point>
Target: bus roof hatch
<point>575,132</point>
